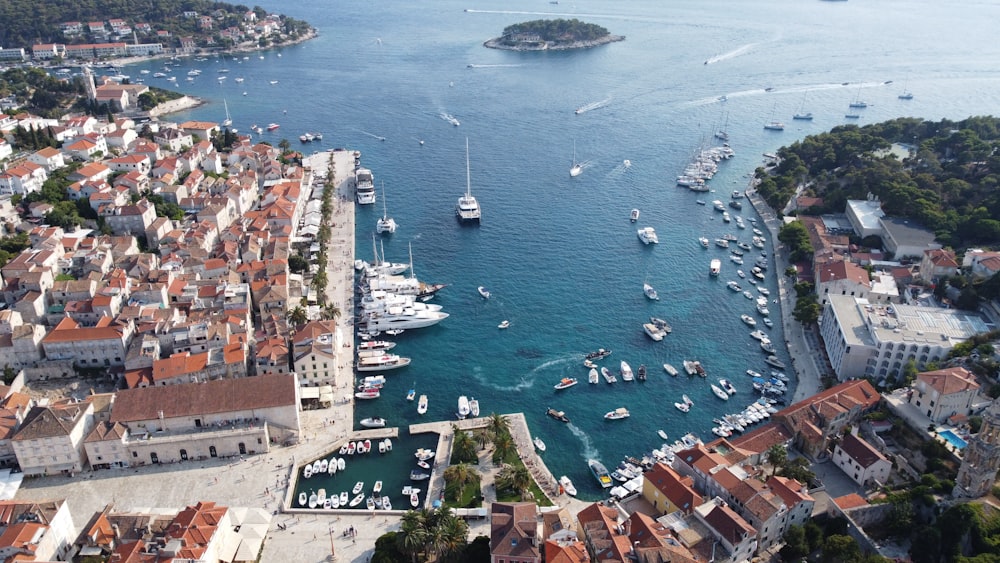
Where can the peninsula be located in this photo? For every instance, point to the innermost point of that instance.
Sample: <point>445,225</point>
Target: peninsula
<point>558,35</point>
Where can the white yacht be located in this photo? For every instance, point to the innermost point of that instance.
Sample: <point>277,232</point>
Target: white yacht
<point>382,362</point>
<point>463,407</point>
<point>648,235</point>
<point>399,317</point>
<point>364,183</point>
<point>468,208</point>
<point>385,223</point>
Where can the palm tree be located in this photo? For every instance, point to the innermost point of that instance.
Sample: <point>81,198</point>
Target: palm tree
<point>482,438</point>
<point>330,312</point>
<point>412,535</point>
<point>298,316</point>
<point>457,477</point>
<point>454,536</point>
<point>504,448</point>
<point>497,426</point>
<point>463,448</point>
<point>514,478</point>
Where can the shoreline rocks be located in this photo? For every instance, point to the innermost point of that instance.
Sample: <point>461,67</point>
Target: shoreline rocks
<point>498,43</point>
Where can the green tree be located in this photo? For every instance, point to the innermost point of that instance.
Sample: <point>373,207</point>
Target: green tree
<point>478,551</point>
<point>330,312</point>
<point>807,310</point>
<point>840,549</point>
<point>297,264</point>
<point>777,456</point>
<point>463,447</point>
<point>504,448</point>
<point>514,478</point>
<point>925,545</point>
<point>412,535</point>
<point>796,545</point>
<point>297,316</point>
<point>497,426</point>
<point>456,478</point>
<point>387,549</point>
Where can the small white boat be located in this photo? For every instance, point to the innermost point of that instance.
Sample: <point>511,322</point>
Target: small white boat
<point>650,292</point>
<point>414,500</point>
<point>634,216</point>
<point>704,241</point>
<point>750,321</point>
<point>307,471</point>
<point>422,405</point>
<point>341,464</point>
<point>648,235</point>
<point>334,502</point>
<point>463,407</point>
<point>381,447</point>
<point>423,464</point>
<point>303,499</point>
<point>719,392</point>
<point>565,383</point>
<point>411,394</point>
<point>373,422</point>
<point>358,499</point>
<point>503,325</point>
<point>671,370</point>
<point>313,500</point>
<point>344,498</point>
<point>332,467</point>
<point>370,503</point>
<point>567,486</point>
<point>576,169</point>
<point>358,486</point>
<point>483,292</point>
<point>593,376</point>
<point>626,371</point>
<point>683,407</point>
<point>388,444</point>
<point>662,434</point>
<point>539,444</point>
<point>423,454</point>
<point>617,414</point>
<point>607,375</point>
<point>324,466</point>
<point>474,407</point>
<point>377,488</point>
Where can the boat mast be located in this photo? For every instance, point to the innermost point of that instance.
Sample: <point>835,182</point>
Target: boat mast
<point>409,245</point>
<point>385,212</point>
<point>375,251</point>
<point>468,175</point>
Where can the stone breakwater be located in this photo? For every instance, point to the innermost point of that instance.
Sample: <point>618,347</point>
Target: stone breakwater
<point>498,43</point>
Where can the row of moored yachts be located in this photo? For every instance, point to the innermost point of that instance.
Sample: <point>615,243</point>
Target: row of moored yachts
<point>703,168</point>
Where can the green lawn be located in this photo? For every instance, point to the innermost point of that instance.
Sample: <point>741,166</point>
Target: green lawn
<point>471,496</point>
<point>507,496</point>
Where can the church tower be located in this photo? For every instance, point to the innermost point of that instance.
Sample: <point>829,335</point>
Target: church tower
<point>88,83</point>
<point>981,458</point>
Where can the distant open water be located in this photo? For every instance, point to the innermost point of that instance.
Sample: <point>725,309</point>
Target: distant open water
<point>559,254</point>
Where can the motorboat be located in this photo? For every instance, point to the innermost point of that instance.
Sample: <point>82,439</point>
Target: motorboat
<point>373,422</point>
<point>652,332</point>
<point>750,321</point>
<point>607,375</point>
<point>768,322</point>
<point>539,443</point>
<point>626,371</point>
<point>741,273</point>
<point>422,404</point>
<point>734,286</point>
<point>414,499</point>
<point>381,447</point>
<point>565,383</point>
<point>352,448</point>
<point>423,454</point>
<point>719,392</point>
<point>687,400</point>
<point>718,206</point>
<point>725,217</point>
<point>600,473</point>
<point>377,489</point>
<point>576,168</point>
<point>382,362</point>
<point>307,471</point>
<point>748,295</point>
<point>344,498</point>
<point>358,487</point>
<point>423,464</point>
<point>567,486</point>
<point>683,407</point>
<point>767,347</point>
<point>764,291</point>
<point>503,325</point>
<point>331,467</point>
<point>671,370</point>
<point>634,216</point>
<point>593,376</point>
<point>370,503</point>
<point>650,292</point>
<point>773,361</point>
<point>661,324</point>
<point>689,367</point>
<point>727,386</point>
<point>371,345</point>
<point>303,499</point>
<point>617,414</point>
<point>474,407</point>
<point>463,407</point>
<point>467,209</point>
<point>758,335</point>
<point>416,475</point>
<point>411,394</point>
<point>343,449</point>
<point>388,444</point>
<point>272,126</point>
<point>648,235</point>
<point>714,267</point>
<point>333,502</point>
<point>558,415</point>
<point>704,241</point>
<point>324,466</point>
<point>358,499</point>
<point>722,243</point>
<point>640,374</point>
<point>600,354</point>
<point>313,500</point>
<point>661,434</point>
<point>753,373</point>
<point>483,292</point>
<point>364,186</point>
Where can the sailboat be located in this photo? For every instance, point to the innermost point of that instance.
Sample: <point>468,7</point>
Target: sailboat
<point>858,102</point>
<point>803,115</point>
<point>906,95</point>
<point>385,224</point>
<point>773,125</point>
<point>576,169</point>
<point>722,134</point>
<point>228,121</point>
<point>468,208</point>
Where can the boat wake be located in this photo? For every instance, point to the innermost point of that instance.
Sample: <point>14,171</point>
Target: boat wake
<point>592,106</point>
<point>731,54</point>
<point>527,381</point>
<point>589,451</point>
<point>373,135</point>
<point>471,65</point>
<point>449,118</point>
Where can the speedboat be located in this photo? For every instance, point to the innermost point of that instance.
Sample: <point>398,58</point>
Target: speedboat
<point>566,382</point>
<point>719,392</point>
<point>593,376</point>
<point>626,371</point>
<point>750,321</point>
<point>423,464</point>
<point>767,347</point>
<point>653,332</point>
<point>648,235</point>
<point>607,375</point>
<point>641,373</point>
<point>369,393</point>
<point>727,386</point>
<point>741,273</point>
<point>650,292</point>
<point>463,407</point>
<point>773,361</point>
<point>661,434</point>
<point>600,354</point>
<point>352,448</point>
<point>483,292</point>
<point>381,447</point>
<point>634,216</point>
<point>703,241</point>
<point>617,414</point>
<point>600,472</point>
<point>344,498</point>
<point>474,407</point>
<point>576,168</point>
<point>373,422</point>
<point>376,345</point>
<point>411,394</point>
<point>416,475</point>
<point>424,454</point>
<point>539,444</point>
<point>683,407</point>
<point>388,444</point>
<point>358,499</point>
<point>382,362</point>
<point>768,322</point>
<point>671,370</point>
<point>558,415</point>
<point>307,471</point>
<point>567,486</point>
<point>377,488</point>
<point>358,487</point>
<point>734,286</point>
<point>662,325</point>
<point>414,499</point>
<point>422,404</point>
<point>503,325</point>
<point>714,267</point>
<point>370,503</point>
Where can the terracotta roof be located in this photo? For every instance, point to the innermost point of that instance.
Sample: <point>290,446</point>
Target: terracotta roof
<point>69,330</point>
<point>950,380</point>
<point>850,501</point>
<point>210,397</point>
<point>861,451</point>
<point>513,529</point>
<point>942,258</point>
<point>791,491</point>
<point>678,490</point>
<point>49,422</point>
<point>844,270</point>
<point>566,552</point>
<point>728,524</point>
<point>107,431</point>
<point>761,439</point>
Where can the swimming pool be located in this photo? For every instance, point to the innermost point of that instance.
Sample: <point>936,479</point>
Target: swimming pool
<point>953,439</point>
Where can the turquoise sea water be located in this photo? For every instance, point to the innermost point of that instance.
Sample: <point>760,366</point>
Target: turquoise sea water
<point>559,254</point>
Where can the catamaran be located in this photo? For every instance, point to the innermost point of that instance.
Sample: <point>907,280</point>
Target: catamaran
<point>468,208</point>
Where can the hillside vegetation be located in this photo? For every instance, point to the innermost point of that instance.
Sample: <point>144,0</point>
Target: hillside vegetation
<point>557,30</point>
<point>948,183</point>
<point>29,22</point>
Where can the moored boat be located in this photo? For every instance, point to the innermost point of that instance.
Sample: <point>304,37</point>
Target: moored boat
<point>600,473</point>
<point>607,375</point>
<point>634,216</point>
<point>483,292</point>
<point>719,392</point>
<point>463,407</point>
<point>593,376</point>
<point>539,443</point>
<point>566,382</point>
<point>600,354</point>
<point>671,370</point>
<point>567,486</point>
<point>626,371</point>
<point>373,422</point>
<point>617,414</point>
<point>648,235</point>
<point>650,292</point>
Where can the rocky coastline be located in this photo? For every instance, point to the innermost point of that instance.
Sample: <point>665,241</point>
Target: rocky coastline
<point>498,43</point>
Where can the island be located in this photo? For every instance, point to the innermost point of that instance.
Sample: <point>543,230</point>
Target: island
<point>557,35</point>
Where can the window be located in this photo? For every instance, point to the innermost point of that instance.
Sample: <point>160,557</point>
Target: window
<point>135,454</point>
